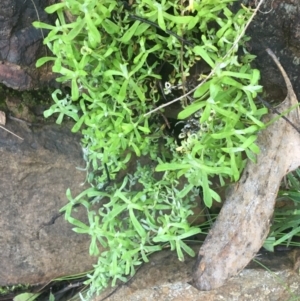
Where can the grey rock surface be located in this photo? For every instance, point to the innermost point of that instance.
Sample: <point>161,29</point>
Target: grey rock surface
<point>164,278</point>
<point>276,26</point>
<point>21,44</point>
<point>35,174</point>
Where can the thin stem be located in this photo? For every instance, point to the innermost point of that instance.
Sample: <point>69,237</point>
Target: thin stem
<point>10,132</point>
<point>278,113</point>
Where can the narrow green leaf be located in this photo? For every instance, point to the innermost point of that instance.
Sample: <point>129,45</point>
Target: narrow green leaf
<point>191,109</point>
<point>269,244</point>
<point>255,77</point>
<point>140,64</point>
<point>137,90</point>
<point>51,296</point>
<point>53,8</point>
<point>255,120</point>
<point>123,91</point>
<point>130,32</point>
<point>207,198</point>
<point>287,236</point>
<point>141,29</point>
<point>44,60</point>
<point>179,251</point>
<point>124,70</point>
<point>164,238</point>
<point>187,249</point>
<point>223,135</point>
<point>74,90</point>
<point>26,297</point>
<point>199,50</point>
<point>127,128</point>
<point>182,193</point>
<point>215,196</point>
<point>94,35</point>
<point>230,150</point>
<point>78,124</point>
<point>192,23</point>
<point>109,73</point>
<point>110,27</point>
<point>76,29</point>
<point>171,166</point>
<point>179,19</point>
<point>135,148</point>
<point>231,82</point>
<point>249,141</point>
<point>141,231</point>
<point>93,250</point>
<point>80,230</point>
<point>145,130</point>
<point>202,89</point>
<point>144,256</point>
<point>237,74</point>
<point>206,113</point>
<point>234,167</point>
<point>191,232</point>
<point>254,148</point>
<point>160,19</point>
<point>43,25</point>
<point>78,224</point>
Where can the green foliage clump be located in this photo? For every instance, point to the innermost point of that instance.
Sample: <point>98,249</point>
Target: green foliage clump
<point>285,228</point>
<point>5,290</point>
<point>110,55</point>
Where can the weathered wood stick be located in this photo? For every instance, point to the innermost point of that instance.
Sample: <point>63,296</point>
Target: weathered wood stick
<point>244,221</point>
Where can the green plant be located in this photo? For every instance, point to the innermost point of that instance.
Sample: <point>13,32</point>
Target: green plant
<point>4,290</point>
<point>110,57</point>
<point>27,297</point>
<point>285,228</point>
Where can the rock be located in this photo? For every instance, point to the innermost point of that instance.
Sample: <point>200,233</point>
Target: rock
<point>276,26</point>
<point>35,174</point>
<point>21,44</point>
<point>165,278</point>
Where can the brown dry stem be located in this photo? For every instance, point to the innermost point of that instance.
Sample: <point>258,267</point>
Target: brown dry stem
<point>3,122</point>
